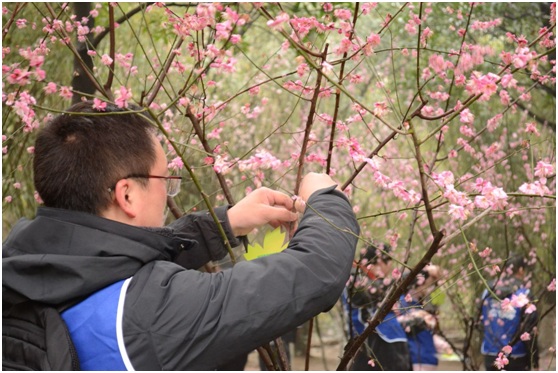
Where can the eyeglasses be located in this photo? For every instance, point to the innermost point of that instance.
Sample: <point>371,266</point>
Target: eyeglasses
<point>173,182</point>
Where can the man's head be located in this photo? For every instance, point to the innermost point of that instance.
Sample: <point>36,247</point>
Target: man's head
<point>377,259</point>
<point>83,160</point>
<point>516,265</point>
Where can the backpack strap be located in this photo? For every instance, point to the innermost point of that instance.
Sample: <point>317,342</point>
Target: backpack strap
<point>34,336</point>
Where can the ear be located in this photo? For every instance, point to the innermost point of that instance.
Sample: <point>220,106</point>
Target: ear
<point>124,193</point>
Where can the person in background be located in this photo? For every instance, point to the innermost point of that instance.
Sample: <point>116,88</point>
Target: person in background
<point>386,348</point>
<point>418,316</point>
<point>99,244</point>
<point>509,322</point>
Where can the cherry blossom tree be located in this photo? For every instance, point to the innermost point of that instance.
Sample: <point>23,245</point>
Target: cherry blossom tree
<point>437,119</point>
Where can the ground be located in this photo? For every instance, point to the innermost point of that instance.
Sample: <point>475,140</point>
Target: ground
<point>329,360</point>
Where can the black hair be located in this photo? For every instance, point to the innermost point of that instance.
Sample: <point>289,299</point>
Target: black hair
<point>81,154</point>
<point>375,252</point>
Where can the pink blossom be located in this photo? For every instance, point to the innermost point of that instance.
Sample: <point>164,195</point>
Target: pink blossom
<point>373,39</point>
<point>380,108</point>
<point>485,253</point>
<point>356,78</point>
<point>530,127</point>
<point>458,212</point>
<point>525,337</point>
<point>536,188</point>
<point>482,202</point>
<point>543,169</point>
<point>326,67</point>
<point>507,349</point>
<point>50,88</point>
<point>278,22</point>
<point>344,46</point>
<point>411,28</point>
<point>466,116</point>
<point>327,7</point>
<point>343,14</point>
<point>493,122</point>
<point>235,38</point>
<point>381,179</point>
<point>66,92</point>
<point>530,308</point>
<point>444,178</point>
<point>508,81</point>
<point>504,97</point>
<point>38,198</point>
<point>371,363</point>
<point>21,23</point>
<point>479,25</point>
<point>221,165</point>
<point>123,96</point>
<point>367,7</point>
<point>19,77</point>
<point>483,84</point>
<point>396,274</point>
<point>518,301</point>
<point>552,285</point>
<point>456,197</point>
<point>176,164</point>
<point>99,105</point>
<point>501,361</point>
<point>467,131</point>
<point>106,60</point>
<point>302,69</point>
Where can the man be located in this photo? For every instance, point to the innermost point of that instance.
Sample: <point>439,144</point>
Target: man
<point>508,322</point>
<point>386,348</point>
<point>98,244</point>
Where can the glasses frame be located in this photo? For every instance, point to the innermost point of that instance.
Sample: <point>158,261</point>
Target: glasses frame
<point>173,182</point>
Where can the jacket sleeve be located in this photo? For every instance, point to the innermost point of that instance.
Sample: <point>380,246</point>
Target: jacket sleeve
<point>178,319</point>
<point>201,228</point>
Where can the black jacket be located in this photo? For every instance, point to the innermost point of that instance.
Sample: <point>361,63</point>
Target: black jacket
<point>180,319</point>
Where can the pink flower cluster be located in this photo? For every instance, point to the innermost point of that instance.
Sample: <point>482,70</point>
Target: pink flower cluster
<point>262,160</point>
<point>538,187</point>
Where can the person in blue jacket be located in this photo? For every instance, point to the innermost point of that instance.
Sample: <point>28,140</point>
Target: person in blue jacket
<point>509,321</point>
<point>418,318</point>
<point>386,348</point>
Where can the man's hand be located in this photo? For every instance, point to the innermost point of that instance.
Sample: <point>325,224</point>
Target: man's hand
<point>311,183</point>
<point>262,206</point>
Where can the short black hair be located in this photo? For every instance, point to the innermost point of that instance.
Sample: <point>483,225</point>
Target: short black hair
<point>377,251</point>
<point>82,153</point>
<point>515,262</point>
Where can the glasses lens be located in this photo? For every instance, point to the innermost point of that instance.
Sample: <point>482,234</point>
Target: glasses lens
<point>173,187</point>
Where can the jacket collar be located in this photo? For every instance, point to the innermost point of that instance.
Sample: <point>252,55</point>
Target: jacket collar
<point>61,255</point>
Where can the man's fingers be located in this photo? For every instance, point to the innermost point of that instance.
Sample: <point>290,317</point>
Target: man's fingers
<point>280,215</point>
<point>300,205</point>
<point>276,198</point>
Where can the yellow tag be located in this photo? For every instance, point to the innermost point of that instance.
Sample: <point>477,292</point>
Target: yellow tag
<point>438,297</point>
<point>274,242</point>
